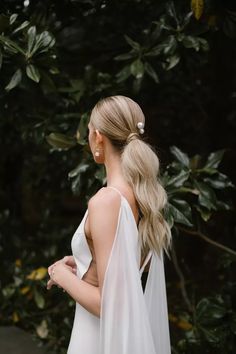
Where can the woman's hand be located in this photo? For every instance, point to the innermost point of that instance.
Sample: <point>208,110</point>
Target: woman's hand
<point>68,260</point>
<point>69,264</point>
<point>59,274</point>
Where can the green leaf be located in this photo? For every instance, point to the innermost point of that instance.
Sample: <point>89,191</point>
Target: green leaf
<point>155,51</point>
<point>13,17</point>
<point>151,72</point>
<point>21,27</point>
<point>178,180</point>
<point>214,159</point>
<point>31,38</point>
<point>61,141</point>
<point>125,56</point>
<point>179,216</point>
<point>123,74</point>
<point>42,330</point>
<point>205,213</point>
<point>219,181</point>
<point>204,44</point>
<point>15,80</point>
<point>180,155</point>
<point>207,197</point>
<point>172,62</point>
<point>39,299</point>
<point>191,42</point>
<point>44,41</point>
<point>133,44</point>
<point>33,73</point>
<point>137,69</point>
<point>169,45</point>
<point>10,45</point>
<point>183,207</point>
<point>81,168</point>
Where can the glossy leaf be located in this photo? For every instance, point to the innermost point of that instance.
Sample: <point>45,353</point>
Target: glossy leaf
<point>207,197</point>
<point>178,180</point>
<point>31,38</point>
<point>180,156</point>
<point>61,141</point>
<point>179,216</point>
<point>15,80</point>
<point>219,181</point>
<point>214,159</point>
<point>33,73</point>
<point>123,74</point>
<point>132,43</point>
<point>137,69</point>
<point>39,299</point>
<point>197,8</point>
<point>151,72</point>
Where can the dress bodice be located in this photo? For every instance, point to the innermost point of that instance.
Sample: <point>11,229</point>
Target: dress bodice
<point>80,247</point>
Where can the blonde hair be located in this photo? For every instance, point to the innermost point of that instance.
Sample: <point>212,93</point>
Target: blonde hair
<point>116,117</point>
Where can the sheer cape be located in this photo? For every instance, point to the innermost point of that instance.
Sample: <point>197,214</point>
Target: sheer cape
<point>133,321</point>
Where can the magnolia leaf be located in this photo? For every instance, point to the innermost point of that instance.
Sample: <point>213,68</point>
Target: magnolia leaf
<point>15,80</point>
<point>82,167</point>
<point>178,216</point>
<point>13,17</point>
<point>37,274</point>
<point>31,38</point>
<point>137,69</point>
<point>42,330</point>
<point>33,73</point>
<point>151,72</point>
<point>132,43</point>
<point>21,27</point>
<point>178,180</point>
<point>214,159</point>
<point>125,56</point>
<point>197,8</point>
<point>39,299</point>
<point>180,155</point>
<point>207,197</point>
<point>61,141</point>
<point>123,74</point>
<point>218,181</point>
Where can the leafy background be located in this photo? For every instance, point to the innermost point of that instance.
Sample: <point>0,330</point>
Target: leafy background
<point>177,60</point>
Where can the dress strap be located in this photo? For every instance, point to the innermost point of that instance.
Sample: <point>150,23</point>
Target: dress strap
<point>146,261</point>
<point>115,190</point>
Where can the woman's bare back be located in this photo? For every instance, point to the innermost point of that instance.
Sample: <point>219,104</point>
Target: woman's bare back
<point>91,275</point>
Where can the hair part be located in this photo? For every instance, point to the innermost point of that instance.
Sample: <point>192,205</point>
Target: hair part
<point>116,117</point>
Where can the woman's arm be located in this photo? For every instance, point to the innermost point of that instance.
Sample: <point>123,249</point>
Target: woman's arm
<point>82,292</point>
<point>103,211</point>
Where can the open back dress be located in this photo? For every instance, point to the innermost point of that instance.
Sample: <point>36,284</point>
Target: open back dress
<point>132,321</point>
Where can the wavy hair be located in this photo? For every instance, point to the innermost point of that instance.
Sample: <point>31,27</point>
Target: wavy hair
<point>116,117</point>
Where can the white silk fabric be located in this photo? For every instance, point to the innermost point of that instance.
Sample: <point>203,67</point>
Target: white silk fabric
<point>133,321</point>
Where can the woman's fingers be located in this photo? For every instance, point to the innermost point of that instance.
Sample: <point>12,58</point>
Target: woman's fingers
<point>50,283</point>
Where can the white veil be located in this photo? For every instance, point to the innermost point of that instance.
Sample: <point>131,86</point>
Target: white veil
<point>132,321</point>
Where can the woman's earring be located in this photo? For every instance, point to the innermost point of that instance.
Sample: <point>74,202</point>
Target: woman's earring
<point>97,153</point>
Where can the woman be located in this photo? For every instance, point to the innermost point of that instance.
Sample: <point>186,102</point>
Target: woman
<point>122,230</point>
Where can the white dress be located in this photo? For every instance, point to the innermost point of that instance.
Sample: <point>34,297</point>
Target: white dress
<point>131,321</point>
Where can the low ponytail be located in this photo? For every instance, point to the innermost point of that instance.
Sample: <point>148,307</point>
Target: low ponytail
<point>117,117</point>
<point>140,166</point>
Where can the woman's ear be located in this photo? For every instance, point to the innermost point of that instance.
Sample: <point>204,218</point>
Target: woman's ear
<point>98,137</point>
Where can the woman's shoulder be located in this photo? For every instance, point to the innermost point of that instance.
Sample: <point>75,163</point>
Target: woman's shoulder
<point>104,198</point>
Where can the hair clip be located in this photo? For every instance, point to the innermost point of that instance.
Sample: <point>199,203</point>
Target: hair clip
<point>140,126</point>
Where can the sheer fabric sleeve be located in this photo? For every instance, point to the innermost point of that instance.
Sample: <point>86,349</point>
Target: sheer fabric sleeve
<point>126,321</point>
